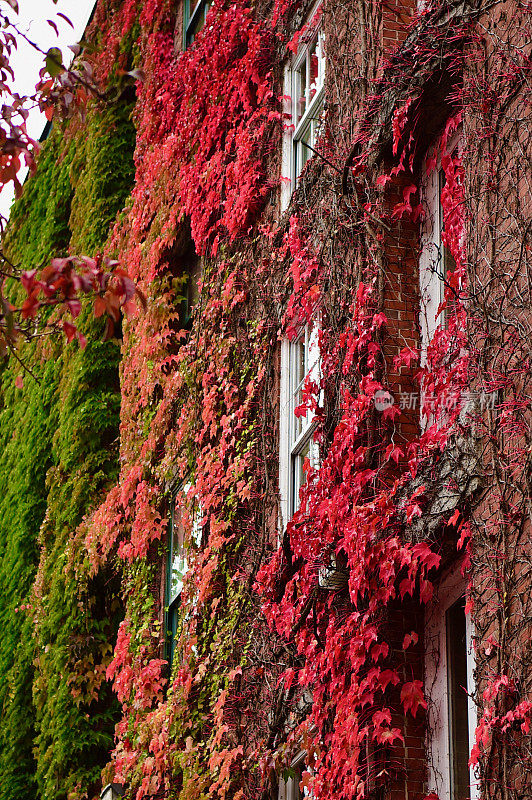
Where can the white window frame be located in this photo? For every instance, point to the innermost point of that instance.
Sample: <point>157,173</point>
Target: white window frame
<point>289,789</point>
<point>295,433</point>
<point>296,130</point>
<point>450,590</point>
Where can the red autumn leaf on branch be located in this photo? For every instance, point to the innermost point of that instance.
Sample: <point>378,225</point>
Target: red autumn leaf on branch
<point>388,735</point>
<point>410,638</point>
<point>382,180</point>
<point>412,697</point>
<point>69,329</point>
<point>394,452</point>
<point>454,519</point>
<point>405,357</point>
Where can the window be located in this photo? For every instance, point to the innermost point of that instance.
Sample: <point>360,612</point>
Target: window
<point>304,81</point>
<point>432,263</point>
<point>450,685</point>
<point>299,362</point>
<point>195,13</point>
<point>436,260</point>
<point>176,570</point>
<point>457,647</point>
<point>177,566</point>
<point>435,267</point>
<point>291,788</point>
<point>190,293</point>
<point>445,256</point>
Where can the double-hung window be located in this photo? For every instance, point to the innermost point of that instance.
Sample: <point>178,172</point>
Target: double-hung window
<point>450,687</point>
<point>304,82</point>
<point>195,14</point>
<point>299,364</point>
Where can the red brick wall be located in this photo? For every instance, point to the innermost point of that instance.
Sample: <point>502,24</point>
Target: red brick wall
<point>396,17</point>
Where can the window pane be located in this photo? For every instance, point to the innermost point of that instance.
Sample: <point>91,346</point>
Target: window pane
<point>177,553</point>
<point>301,359</point>
<point>441,185</point>
<point>448,263</point>
<point>297,381</point>
<point>458,700</point>
<point>321,59</point>
<point>172,621</point>
<point>304,152</point>
<point>194,29</point>
<point>301,459</point>
<point>299,476</point>
<point>301,90</point>
<point>304,358</point>
<point>314,69</point>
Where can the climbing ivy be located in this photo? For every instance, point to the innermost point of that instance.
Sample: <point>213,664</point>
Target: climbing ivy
<point>269,657</point>
<point>59,452</point>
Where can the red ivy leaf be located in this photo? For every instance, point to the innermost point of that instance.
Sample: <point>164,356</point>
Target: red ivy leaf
<point>412,697</point>
<point>391,412</point>
<point>69,330</point>
<point>410,638</point>
<point>454,519</point>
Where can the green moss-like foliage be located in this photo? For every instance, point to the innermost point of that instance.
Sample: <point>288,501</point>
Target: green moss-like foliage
<point>25,434</point>
<point>58,453</point>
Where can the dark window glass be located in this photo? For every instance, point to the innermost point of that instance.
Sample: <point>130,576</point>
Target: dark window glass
<point>195,14</point>
<point>458,700</point>
<point>172,618</point>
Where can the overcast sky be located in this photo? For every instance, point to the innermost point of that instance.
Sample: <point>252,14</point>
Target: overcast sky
<point>26,62</point>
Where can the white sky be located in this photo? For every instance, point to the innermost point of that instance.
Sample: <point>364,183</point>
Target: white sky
<point>26,62</point>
